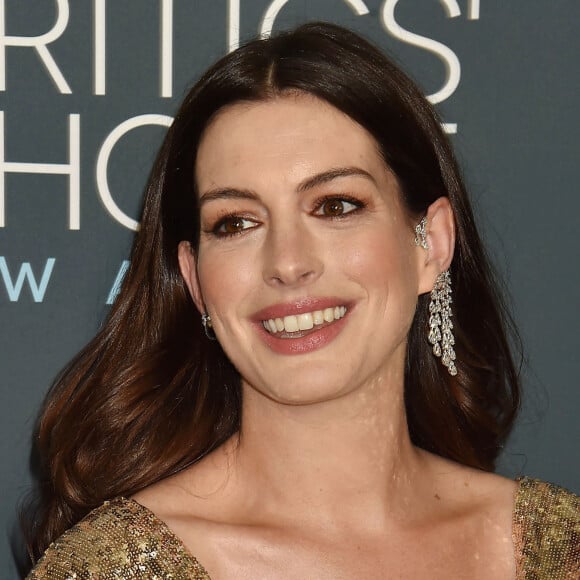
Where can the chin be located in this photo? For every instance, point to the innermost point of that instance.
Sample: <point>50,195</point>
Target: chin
<point>307,388</point>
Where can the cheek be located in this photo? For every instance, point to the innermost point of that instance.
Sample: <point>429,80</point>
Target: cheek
<point>378,259</point>
<point>223,276</point>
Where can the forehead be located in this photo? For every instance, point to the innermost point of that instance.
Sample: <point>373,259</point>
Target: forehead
<point>285,138</point>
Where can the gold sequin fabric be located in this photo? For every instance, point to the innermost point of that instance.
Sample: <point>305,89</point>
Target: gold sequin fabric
<point>122,539</point>
<point>546,531</point>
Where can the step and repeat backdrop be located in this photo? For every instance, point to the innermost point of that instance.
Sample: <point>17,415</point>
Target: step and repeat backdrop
<point>88,88</point>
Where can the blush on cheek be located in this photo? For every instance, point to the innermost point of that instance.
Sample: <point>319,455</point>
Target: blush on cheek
<point>374,259</point>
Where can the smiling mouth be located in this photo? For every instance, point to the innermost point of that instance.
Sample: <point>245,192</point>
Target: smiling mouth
<point>296,326</point>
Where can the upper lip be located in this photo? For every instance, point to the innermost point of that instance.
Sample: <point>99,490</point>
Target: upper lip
<point>307,304</point>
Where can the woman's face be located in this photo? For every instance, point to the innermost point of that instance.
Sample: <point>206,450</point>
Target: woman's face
<point>306,260</point>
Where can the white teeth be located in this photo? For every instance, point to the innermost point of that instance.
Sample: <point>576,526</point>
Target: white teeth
<point>305,321</point>
<point>291,324</point>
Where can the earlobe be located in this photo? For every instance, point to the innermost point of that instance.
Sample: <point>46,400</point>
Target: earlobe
<point>188,267</point>
<point>440,237</point>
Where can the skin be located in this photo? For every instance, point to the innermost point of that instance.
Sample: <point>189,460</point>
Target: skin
<point>323,480</point>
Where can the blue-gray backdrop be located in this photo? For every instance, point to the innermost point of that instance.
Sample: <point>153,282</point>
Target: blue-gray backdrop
<point>88,87</point>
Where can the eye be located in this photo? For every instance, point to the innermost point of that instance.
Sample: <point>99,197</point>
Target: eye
<point>337,206</point>
<point>232,225</point>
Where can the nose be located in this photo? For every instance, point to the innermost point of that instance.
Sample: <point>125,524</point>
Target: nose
<point>291,257</point>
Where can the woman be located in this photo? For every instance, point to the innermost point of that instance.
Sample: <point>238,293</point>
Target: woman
<point>306,211</point>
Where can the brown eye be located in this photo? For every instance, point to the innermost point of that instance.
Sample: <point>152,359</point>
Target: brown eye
<point>333,207</point>
<point>336,207</point>
<point>232,225</point>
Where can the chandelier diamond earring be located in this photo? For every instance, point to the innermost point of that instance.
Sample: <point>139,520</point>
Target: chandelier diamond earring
<point>440,324</point>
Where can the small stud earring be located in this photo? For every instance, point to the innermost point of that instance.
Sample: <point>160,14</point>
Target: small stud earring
<point>207,326</point>
<point>421,234</point>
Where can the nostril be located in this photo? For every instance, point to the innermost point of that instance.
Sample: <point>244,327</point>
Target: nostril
<point>292,276</point>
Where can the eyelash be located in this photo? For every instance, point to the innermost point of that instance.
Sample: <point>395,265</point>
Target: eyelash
<point>214,230</point>
<point>357,203</point>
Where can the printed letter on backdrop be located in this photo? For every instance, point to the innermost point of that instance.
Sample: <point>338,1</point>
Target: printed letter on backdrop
<point>14,289</point>
<point>72,169</point>
<point>38,43</point>
<point>103,162</point>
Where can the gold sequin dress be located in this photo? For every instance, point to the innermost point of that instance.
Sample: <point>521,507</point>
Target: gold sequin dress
<point>122,539</point>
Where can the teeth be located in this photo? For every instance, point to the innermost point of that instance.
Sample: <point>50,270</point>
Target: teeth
<point>304,321</point>
<point>291,323</point>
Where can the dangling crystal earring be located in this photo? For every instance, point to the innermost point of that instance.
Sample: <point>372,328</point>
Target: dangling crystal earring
<point>440,324</point>
<point>207,326</point>
<point>421,234</point>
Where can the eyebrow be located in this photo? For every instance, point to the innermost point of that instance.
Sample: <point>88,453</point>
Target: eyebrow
<point>309,183</point>
<point>227,193</point>
<point>326,176</point>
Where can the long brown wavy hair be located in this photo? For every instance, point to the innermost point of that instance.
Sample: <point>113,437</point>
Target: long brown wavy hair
<point>150,395</point>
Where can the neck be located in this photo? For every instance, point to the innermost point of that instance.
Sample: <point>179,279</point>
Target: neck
<point>339,459</point>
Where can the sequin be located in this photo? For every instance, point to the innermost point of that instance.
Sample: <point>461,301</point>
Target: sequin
<point>123,539</point>
<point>120,539</point>
<point>546,531</point>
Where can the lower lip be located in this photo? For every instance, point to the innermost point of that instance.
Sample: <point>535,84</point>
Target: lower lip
<point>314,340</point>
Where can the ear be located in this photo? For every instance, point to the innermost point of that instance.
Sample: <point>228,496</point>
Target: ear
<point>188,268</point>
<point>441,241</point>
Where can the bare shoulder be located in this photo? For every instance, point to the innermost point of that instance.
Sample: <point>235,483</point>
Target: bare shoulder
<point>491,498</point>
<point>472,486</point>
<point>200,492</point>
<point>473,511</point>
